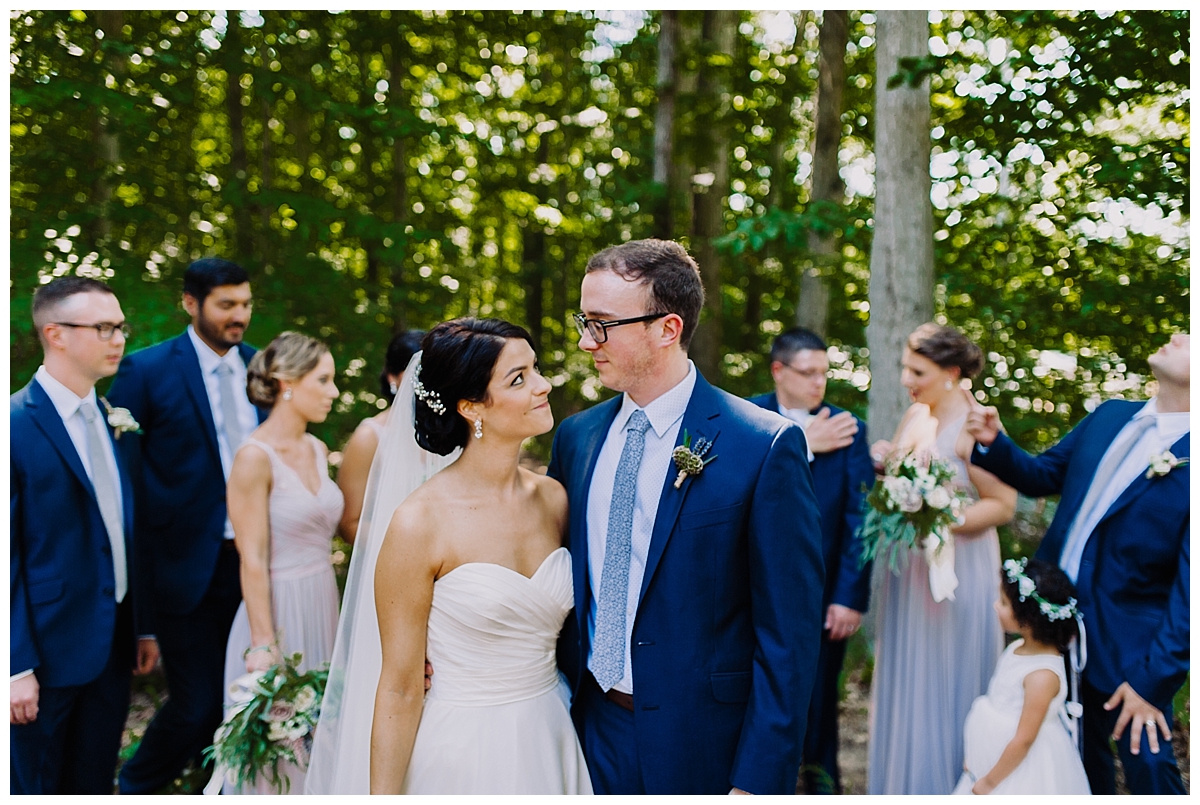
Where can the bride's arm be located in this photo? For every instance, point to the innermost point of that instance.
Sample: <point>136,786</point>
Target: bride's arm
<point>404,579</point>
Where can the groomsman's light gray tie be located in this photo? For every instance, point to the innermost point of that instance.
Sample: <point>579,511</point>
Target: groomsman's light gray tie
<point>1072,553</point>
<point>107,490</point>
<point>608,646</point>
<point>230,425</point>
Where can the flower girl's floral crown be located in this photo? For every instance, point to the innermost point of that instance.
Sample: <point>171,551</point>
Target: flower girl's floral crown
<point>430,398</point>
<point>1027,589</point>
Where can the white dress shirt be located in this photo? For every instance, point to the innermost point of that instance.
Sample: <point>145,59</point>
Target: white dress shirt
<point>666,417</point>
<point>800,417</point>
<point>247,416</point>
<point>67,404</point>
<point>1167,430</point>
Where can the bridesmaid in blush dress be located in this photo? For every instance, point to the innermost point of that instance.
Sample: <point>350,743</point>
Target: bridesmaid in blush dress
<point>284,508</point>
<point>933,658</point>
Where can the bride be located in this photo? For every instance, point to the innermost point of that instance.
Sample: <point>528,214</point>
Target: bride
<point>459,560</point>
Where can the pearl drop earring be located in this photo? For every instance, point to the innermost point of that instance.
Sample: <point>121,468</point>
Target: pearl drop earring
<point>949,385</point>
<point>392,385</point>
<point>478,429</point>
<point>287,394</point>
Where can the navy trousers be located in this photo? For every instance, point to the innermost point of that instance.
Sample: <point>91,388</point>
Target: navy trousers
<point>609,742</point>
<point>193,654</point>
<point>1145,772</point>
<point>72,746</point>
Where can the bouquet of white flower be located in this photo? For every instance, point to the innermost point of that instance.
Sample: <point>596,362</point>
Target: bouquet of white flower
<point>912,505</point>
<point>273,717</point>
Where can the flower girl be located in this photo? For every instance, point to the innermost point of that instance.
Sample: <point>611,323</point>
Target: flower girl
<point>1017,739</point>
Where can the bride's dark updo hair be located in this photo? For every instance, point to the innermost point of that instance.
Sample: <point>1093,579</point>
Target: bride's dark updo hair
<point>457,360</point>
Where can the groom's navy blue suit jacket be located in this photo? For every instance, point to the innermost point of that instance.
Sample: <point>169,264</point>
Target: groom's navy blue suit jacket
<point>728,625</point>
<point>62,610</point>
<point>1134,586</point>
<point>840,480</point>
<point>181,486</point>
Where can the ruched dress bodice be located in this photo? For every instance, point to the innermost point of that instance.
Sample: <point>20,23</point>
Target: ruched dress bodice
<point>496,718</point>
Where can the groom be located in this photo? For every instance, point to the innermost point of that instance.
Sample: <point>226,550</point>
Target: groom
<point>693,647</point>
<point>1122,533</point>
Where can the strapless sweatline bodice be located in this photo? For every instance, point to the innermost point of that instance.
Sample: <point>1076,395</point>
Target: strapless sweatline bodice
<point>493,631</point>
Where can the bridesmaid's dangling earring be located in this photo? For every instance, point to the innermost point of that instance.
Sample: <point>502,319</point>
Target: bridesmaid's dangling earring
<point>287,394</point>
<point>949,385</point>
<point>478,429</point>
<point>394,388</point>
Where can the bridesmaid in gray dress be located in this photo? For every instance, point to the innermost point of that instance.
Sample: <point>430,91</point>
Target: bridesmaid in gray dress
<point>932,659</point>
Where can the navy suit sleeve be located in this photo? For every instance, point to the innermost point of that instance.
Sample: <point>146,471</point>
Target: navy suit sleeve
<point>787,574</point>
<point>853,586</point>
<point>1033,476</point>
<point>1160,672</point>
<point>22,650</point>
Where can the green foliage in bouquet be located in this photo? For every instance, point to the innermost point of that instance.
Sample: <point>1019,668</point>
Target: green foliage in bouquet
<point>913,499</point>
<point>274,721</point>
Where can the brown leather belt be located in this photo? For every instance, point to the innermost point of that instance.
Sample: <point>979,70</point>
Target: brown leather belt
<point>620,699</point>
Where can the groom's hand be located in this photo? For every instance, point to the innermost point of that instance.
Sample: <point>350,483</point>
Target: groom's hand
<point>428,675</point>
<point>23,700</point>
<point>983,423</point>
<point>1143,714</point>
<point>733,791</point>
<point>147,656</point>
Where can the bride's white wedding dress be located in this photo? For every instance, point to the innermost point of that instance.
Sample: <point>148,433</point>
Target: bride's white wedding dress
<point>496,719</point>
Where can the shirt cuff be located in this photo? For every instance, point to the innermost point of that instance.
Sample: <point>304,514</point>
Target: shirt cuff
<point>983,449</point>
<point>21,675</point>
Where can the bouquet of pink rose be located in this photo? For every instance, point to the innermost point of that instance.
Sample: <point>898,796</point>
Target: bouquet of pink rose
<point>912,503</point>
<point>273,718</point>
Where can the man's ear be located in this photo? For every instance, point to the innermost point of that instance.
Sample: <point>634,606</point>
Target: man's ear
<point>191,304</point>
<point>776,370</point>
<point>672,325</point>
<point>52,336</point>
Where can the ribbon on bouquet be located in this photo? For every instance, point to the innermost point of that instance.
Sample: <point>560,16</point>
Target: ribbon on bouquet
<point>241,692</point>
<point>939,554</point>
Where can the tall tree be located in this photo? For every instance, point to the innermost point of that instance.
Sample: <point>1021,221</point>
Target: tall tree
<point>901,289</point>
<point>720,32</point>
<point>812,309</point>
<point>664,123</point>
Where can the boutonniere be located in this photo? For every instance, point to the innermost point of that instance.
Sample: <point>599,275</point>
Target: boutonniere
<point>1162,463</point>
<point>691,460</point>
<point>120,420</point>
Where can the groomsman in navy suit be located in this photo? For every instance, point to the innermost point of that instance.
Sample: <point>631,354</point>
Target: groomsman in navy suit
<point>841,472</point>
<point>1121,532</point>
<point>75,598</point>
<point>189,393</point>
<point>692,651</point>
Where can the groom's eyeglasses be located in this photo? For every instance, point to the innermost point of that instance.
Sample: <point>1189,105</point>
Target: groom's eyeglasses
<point>598,329</point>
<point>104,329</point>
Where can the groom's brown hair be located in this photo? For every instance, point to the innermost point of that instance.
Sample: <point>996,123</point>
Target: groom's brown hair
<point>671,273</point>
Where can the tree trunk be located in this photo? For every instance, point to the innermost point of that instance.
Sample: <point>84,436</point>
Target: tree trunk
<point>238,164</point>
<point>664,124</point>
<point>812,309</point>
<point>901,292</point>
<point>691,26</point>
<point>399,184</point>
<point>108,144</point>
<point>720,31</point>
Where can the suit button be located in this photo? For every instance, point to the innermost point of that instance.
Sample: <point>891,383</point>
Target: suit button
<point>108,591</point>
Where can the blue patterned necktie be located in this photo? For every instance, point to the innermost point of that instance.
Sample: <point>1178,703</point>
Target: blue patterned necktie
<point>608,646</point>
<point>107,494</point>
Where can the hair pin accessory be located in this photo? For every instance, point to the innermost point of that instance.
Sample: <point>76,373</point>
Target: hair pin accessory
<point>426,396</point>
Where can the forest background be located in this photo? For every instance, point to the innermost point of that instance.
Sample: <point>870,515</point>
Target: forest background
<point>383,170</point>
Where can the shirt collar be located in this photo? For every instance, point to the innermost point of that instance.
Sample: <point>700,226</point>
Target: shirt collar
<point>666,410</point>
<point>210,360</point>
<point>1170,426</point>
<point>66,402</point>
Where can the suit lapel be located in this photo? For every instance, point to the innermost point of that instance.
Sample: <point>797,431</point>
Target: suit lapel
<point>699,421</point>
<point>45,415</point>
<point>193,381</point>
<point>586,458</point>
<point>1181,449</point>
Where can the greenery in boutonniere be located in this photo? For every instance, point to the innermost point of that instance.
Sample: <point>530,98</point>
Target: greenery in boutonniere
<point>691,460</point>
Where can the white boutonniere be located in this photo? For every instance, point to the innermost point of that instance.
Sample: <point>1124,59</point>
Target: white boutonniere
<point>691,460</point>
<point>120,420</point>
<point>1162,463</point>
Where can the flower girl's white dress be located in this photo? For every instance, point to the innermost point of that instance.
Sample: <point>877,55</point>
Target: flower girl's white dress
<point>1053,765</point>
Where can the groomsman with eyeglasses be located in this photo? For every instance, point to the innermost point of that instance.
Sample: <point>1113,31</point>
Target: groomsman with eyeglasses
<point>189,393</point>
<point>841,470</point>
<point>1122,533</point>
<point>75,597</point>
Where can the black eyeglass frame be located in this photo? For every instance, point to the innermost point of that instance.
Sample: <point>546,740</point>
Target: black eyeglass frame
<point>584,324</point>
<point>100,328</point>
